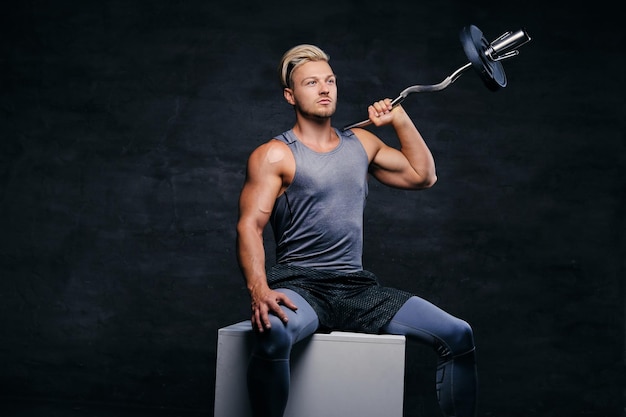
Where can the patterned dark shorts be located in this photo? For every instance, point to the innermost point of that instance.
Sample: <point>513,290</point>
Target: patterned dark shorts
<point>343,301</point>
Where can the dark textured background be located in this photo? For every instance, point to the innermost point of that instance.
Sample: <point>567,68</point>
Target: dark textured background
<point>124,132</point>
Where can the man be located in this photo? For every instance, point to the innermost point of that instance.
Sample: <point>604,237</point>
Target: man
<point>311,184</point>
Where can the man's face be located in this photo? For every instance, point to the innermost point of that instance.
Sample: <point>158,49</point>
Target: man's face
<point>314,90</point>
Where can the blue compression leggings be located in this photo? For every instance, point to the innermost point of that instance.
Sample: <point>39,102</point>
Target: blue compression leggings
<point>417,319</point>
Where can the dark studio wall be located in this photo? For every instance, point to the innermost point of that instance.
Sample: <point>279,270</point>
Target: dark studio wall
<point>124,132</point>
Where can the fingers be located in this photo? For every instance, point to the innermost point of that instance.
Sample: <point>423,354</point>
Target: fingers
<point>379,110</point>
<point>260,317</point>
<point>257,320</point>
<point>382,107</point>
<point>284,300</point>
<point>261,311</point>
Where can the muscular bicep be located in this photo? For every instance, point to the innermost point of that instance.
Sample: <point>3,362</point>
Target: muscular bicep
<point>391,167</point>
<point>264,182</point>
<point>388,165</point>
<point>254,205</point>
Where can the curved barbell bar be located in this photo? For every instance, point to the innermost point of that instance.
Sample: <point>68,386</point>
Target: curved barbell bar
<point>484,57</point>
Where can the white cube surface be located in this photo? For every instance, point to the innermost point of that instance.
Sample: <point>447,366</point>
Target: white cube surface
<point>340,374</point>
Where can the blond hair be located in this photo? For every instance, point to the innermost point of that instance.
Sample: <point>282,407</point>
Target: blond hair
<point>296,56</point>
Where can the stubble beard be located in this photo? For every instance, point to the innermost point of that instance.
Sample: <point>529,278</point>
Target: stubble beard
<point>317,114</point>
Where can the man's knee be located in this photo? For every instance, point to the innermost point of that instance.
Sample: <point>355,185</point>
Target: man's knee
<point>274,343</point>
<point>463,339</point>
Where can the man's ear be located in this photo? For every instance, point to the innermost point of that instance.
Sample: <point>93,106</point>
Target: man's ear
<point>288,94</point>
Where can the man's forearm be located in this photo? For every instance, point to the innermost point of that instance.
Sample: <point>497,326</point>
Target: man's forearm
<point>251,258</point>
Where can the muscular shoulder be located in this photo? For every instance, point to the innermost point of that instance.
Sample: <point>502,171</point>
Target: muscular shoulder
<point>271,152</point>
<point>273,157</point>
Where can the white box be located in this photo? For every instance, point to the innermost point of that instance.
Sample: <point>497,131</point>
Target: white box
<point>340,374</point>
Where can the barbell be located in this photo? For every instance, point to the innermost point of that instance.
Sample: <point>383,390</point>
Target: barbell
<point>485,57</point>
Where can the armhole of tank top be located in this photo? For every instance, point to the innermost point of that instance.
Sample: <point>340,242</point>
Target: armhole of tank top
<point>351,134</point>
<point>295,165</point>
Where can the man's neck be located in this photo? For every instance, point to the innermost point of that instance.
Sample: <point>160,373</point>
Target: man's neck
<point>316,134</point>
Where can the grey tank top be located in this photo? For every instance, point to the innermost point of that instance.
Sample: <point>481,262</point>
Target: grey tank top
<point>318,220</point>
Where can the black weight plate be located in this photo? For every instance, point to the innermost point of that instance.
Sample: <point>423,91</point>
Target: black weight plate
<point>475,45</point>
